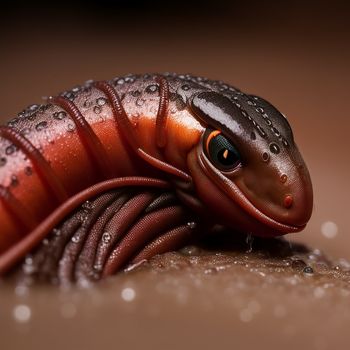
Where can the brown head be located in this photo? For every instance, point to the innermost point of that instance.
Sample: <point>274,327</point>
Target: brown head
<point>246,168</point>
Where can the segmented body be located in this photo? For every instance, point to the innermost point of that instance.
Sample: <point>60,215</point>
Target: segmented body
<point>95,132</point>
<point>134,131</point>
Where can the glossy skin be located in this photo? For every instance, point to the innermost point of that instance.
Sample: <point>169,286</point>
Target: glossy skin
<point>166,118</point>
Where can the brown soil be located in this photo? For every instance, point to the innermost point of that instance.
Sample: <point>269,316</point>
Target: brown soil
<point>233,295</point>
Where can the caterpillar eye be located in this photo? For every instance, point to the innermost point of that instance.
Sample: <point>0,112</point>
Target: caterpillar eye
<point>221,152</point>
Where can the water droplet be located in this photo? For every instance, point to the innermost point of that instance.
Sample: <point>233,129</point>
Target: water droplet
<point>128,294</point>
<point>87,205</point>
<point>244,113</point>
<point>22,313</point>
<point>261,131</point>
<point>28,170</point>
<point>40,126</point>
<point>120,81</point>
<point>28,260</point>
<point>75,239</point>
<point>33,107</point>
<point>308,270</point>
<point>251,103</point>
<point>285,142</point>
<point>284,178</point>
<point>267,120</point>
<point>98,267</point>
<point>56,232</point>
<point>21,290</point>
<point>276,132</point>
<point>185,87</point>
<point>106,237</point>
<point>265,157</point>
<point>3,161</point>
<point>88,83</point>
<point>129,79</point>
<point>87,103</point>
<point>28,266</point>
<point>192,225</point>
<point>59,115</point>
<point>329,229</point>
<point>298,264</point>
<point>151,89</point>
<point>76,89</point>
<point>97,109</point>
<point>260,110</point>
<point>211,271</point>
<point>70,127</point>
<point>25,131</point>
<point>10,150</point>
<point>191,251</point>
<point>70,95</point>
<point>135,93</point>
<point>101,101</point>
<point>274,148</point>
<point>140,102</point>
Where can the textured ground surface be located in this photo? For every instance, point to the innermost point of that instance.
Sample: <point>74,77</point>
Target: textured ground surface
<point>271,293</point>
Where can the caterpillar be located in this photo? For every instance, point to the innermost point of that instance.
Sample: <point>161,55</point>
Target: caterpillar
<point>113,172</point>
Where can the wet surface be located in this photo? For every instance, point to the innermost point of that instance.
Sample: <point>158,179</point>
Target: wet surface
<point>295,57</point>
<point>272,290</point>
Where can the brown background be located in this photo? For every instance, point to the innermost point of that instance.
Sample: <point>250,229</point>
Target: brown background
<point>296,55</point>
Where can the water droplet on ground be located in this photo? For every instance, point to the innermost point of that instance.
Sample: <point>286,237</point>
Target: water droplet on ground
<point>329,229</point>
<point>128,294</point>
<point>22,313</point>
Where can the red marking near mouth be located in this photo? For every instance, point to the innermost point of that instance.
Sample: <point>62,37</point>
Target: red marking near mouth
<point>288,201</point>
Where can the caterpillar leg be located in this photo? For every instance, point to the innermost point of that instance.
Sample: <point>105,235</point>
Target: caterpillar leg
<point>103,235</point>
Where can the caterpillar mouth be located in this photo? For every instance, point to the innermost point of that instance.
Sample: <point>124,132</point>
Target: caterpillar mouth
<point>238,197</point>
<point>233,192</point>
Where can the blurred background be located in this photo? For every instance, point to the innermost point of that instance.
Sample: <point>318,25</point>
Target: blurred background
<point>295,54</point>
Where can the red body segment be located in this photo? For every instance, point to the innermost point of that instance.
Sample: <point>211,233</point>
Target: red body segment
<point>64,149</point>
